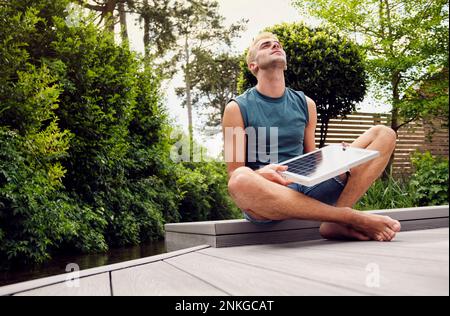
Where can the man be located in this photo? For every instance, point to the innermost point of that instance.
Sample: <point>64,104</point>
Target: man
<point>258,188</point>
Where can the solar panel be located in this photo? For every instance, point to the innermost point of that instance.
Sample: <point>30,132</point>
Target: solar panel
<point>325,163</point>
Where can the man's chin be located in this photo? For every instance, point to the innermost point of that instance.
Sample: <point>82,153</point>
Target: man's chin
<point>280,63</point>
<point>275,63</point>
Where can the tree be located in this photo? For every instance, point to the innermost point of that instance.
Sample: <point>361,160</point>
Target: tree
<point>215,81</point>
<point>326,66</point>
<point>428,99</point>
<point>106,9</point>
<point>158,19</point>
<point>199,25</point>
<point>123,21</point>
<point>404,41</point>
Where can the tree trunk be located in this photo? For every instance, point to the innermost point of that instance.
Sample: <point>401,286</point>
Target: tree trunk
<point>123,22</point>
<point>187,80</point>
<point>324,122</point>
<point>146,28</point>
<point>108,14</point>
<point>394,120</point>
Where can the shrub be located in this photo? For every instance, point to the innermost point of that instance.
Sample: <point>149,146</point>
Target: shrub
<point>208,199</point>
<point>428,186</point>
<point>36,217</point>
<point>429,183</point>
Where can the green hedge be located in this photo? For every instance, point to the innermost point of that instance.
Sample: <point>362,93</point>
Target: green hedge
<point>84,142</point>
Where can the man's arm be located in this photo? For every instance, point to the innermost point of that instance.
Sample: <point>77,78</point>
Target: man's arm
<point>309,143</point>
<point>232,118</point>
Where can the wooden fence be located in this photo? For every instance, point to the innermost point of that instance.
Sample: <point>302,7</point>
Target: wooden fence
<point>415,136</point>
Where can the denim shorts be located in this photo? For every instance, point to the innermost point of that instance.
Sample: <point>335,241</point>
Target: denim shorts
<point>327,192</point>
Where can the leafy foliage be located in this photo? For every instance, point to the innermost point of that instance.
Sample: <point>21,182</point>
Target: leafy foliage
<point>429,99</point>
<point>36,215</point>
<point>209,199</point>
<point>430,180</point>
<point>406,42</point>
<point>428,186</point>
<point>84,142</point>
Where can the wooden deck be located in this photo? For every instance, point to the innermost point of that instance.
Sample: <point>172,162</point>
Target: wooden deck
<point>416,263</point>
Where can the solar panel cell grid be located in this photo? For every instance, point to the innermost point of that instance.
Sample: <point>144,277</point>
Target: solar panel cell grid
<point>325,163</point>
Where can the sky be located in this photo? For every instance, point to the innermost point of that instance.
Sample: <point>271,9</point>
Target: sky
<point>260,14</point>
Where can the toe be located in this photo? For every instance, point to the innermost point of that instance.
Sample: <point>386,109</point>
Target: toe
<point>385,236</point>
<point>389,233</point>
<point>392,236</point>
<point>396,227</point>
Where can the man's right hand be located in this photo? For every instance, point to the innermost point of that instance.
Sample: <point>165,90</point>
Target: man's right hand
<point>272,173</point>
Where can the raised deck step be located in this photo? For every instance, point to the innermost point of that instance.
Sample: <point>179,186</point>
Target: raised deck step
<point>229,233</point>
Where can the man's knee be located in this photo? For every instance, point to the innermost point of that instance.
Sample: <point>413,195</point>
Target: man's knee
<point>240,180</point>
<point>387,134</point>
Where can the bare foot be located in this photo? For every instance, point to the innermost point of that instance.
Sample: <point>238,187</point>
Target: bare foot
<point>376,227</point>
<point>341,232</point>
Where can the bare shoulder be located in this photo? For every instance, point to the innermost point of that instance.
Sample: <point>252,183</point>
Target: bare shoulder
<point>312,109</point>
<point>232,115</point>
<point>232,108</point>
<point>310,102</point>
<point>311,105</point>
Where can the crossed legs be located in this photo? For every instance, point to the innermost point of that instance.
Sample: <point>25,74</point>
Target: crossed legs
<point>362,177</point>
<point>264,199</point>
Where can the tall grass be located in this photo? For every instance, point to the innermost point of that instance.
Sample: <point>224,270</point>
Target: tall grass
<point>387,194</point>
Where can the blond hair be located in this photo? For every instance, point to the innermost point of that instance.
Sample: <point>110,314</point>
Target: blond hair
<point>251,53</point>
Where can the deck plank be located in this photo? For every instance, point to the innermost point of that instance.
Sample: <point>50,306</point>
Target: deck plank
<point>418,245</point>
<point>336,260</point>
<point>371,248</point>
<point>96,285</point>
<point>242,279</point>
<point>159,279</point>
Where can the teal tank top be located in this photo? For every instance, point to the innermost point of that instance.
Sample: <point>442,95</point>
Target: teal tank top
<point>275,127</point>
